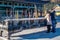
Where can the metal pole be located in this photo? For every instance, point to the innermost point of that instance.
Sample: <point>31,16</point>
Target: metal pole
<point>1,30</point>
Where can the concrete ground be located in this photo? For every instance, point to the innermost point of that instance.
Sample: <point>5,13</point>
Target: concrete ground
<point>1,38</point>
<point>37,34</point>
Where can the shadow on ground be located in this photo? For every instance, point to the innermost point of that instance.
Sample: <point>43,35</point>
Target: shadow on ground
<point>41,34</point>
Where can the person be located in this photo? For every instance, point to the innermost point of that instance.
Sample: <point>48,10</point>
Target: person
<point>52,13</point>
<point>48,19</point>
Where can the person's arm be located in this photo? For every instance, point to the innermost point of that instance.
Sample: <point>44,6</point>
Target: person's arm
<point>45,16</point>
<point>51,11</point>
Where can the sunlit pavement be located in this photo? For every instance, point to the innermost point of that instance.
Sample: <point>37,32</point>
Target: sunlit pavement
<point>2,38</point>
<point>37,34</point>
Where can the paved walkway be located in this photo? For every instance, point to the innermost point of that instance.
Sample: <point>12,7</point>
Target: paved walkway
<point>1,38</point>
<point>37,34</point>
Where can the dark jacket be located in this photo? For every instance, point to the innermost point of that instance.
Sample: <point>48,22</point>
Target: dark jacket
<point>52,15</point>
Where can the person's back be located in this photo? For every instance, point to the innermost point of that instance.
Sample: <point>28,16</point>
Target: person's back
<point>52,15</point>
<point>48,18</point>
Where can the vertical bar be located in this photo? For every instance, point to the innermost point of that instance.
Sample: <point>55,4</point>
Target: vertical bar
<point>17,14</point>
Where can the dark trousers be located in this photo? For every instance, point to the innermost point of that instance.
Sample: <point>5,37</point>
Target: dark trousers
<point>48,28</point>
<point>53,25</point>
